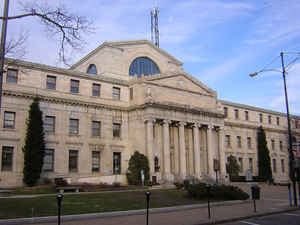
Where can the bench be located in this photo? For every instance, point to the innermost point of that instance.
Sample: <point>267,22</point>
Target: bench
<point>69,188</point>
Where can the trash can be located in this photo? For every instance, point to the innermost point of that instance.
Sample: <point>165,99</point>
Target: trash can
<point>255,192</point>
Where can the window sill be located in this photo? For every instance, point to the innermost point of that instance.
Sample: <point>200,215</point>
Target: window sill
<point>117,138</point>
<point>98,137</point>
<point>74,135</point>
<point>9,129</point>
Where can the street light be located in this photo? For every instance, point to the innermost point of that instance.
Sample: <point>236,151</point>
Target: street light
<point>291,156</point>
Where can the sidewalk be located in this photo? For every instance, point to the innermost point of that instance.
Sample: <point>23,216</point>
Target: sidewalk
<point>274,200</point>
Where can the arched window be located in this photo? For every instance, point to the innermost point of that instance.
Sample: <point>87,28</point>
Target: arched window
<point>156,164</point>
<point>143,65</point>
<point>92,69</point>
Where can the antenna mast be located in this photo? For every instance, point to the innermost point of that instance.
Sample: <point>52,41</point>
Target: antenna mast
<point>154,26</point>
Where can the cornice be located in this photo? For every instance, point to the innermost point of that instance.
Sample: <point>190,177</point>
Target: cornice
<point>178,107</point>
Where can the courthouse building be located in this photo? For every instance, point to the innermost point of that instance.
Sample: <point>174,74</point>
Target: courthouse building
<point>132,96</point>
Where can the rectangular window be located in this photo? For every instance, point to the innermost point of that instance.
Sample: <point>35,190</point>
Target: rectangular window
<point>12,76</point>
<point>51,82</point>
<point>227,141</point>
<point>241,164</point>
<point>96,128</point>
<point>95,161</point>
<point>131,93</point>
<point>116,93</point>
<point>280,145</point>
<point>251,164</point>
<point>48,163</point>
<point>282,166</point>
<point>296,123</point>
<point>49,124</point>
<point>274,165</point>
<point>96,89</point>
<point>74,88</point>
<point>278,121</point>
<point>236,114</point>
<point>117,163</point>
<point>116,130</point>
<point>225,111</point>
<point>249,144</point>
<point>74,126</point>
<point>73,160</point>
<point>273,144</point>
<point>239,141</point>
<point>7,158</point>
<point>9,119</point>
<point>246,115</point>
<point>260,117</point>
<point>270,119</point>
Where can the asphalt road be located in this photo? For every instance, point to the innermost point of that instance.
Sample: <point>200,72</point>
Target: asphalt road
<point>292,218</point>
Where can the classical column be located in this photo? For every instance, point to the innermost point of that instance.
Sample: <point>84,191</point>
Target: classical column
<point>222,152</point>
<point>150,145</point>
<point>167,156</point>
<point>197,150</point>
<point>210,151</point>
<point>182,150</point>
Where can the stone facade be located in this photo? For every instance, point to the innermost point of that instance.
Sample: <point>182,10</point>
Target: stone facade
<point>95,122</point>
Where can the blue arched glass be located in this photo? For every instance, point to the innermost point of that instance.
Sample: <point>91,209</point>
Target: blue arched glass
<point>143,65</point>
<point>92,69</point>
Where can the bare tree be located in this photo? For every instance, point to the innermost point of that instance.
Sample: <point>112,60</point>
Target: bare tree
<point>16,46</point>
<point>58,22</point>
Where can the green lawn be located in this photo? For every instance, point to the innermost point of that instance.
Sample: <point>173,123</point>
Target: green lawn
<point>91,203</point>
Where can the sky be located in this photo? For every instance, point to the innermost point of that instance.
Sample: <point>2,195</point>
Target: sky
<point>220,42</point>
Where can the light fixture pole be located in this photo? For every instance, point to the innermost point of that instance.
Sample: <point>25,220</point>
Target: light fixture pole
<point>291,156</point>
<point>2,48</point>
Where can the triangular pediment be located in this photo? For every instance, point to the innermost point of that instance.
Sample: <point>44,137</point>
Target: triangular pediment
<point>182,81</point>
<point>120,45</point>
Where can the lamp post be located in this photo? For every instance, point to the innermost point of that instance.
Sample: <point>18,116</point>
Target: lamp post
<point>291,156</point>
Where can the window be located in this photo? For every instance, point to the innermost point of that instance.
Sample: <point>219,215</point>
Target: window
<point>9,119</point>
<point>116,93</point>
<point>251,164</point>
<point>225,111</point>
<point>270,119</point>
<point>48,163</point>
<point>73,160</point>
<point>296,123</point>
<point>282,166</point>
<point>12,76</point>
<point>74,126</point>
<point>260,117</point>
<point>239,141</point>
<point>241,164</point>
<point>96,128</point>
<point>227,140</point>
<point>131,93</point>
<point>249,144</point>
<point>49,124</point>
<point>280,146</point>
<point>143,65</point>
<point>274,165</point>
<point>95,161</point>
<point>156,164</point>
<point>117,163</point>
<point>51,82</point>
<point>273,144</point>
<point>92,69</point>
<point>236,114</point>
<point>96,90</point>
<point>278,121</point>
<point>74,88</point>
<point>116,130</point>
<point>7,158</point>
<point>246,115</point>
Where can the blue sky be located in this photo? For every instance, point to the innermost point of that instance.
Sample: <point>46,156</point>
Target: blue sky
<point>219,41</point>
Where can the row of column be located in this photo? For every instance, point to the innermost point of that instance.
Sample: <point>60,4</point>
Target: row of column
<point>168,176</point>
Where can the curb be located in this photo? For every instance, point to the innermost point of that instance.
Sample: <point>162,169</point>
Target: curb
<point>248,217</point>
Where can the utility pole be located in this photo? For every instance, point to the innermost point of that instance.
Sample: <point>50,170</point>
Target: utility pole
<point>2,48</point>
<point>291,156</point>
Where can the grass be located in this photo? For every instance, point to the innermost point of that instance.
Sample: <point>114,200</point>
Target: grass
<point>91,203</point>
